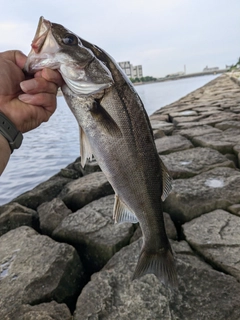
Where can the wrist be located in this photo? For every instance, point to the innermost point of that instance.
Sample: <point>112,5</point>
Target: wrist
<point>10,132</point>
<point>5,153</point>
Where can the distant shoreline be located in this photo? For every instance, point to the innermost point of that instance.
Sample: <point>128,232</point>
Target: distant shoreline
<point>191,75</point>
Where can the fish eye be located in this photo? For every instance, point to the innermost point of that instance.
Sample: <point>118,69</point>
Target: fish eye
<point>70,40</point>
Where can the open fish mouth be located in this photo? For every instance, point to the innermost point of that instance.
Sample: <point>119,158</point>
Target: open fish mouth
<point>44,26</point>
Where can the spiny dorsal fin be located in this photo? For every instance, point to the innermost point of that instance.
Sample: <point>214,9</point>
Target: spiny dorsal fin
<point>121,212</point>
<point>166,181</point>
<point>85,148</point>
<point>103,118</point>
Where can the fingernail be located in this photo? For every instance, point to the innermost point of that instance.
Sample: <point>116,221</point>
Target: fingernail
<point>25,97</point>
<point>28,85</point>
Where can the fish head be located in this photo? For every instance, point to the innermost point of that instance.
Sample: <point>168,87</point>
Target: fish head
<point>56,47</point>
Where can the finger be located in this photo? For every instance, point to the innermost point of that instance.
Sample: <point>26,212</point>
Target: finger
<point>45,100</point>
<point>53,76</point>
<point>15,56</point>
<point>38,85</point>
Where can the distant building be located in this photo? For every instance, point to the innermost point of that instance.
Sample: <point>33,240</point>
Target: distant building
<point>130,70</point>
<point>210,69</point>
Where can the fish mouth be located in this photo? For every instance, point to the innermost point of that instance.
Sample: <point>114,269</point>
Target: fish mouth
<point>44,26</point>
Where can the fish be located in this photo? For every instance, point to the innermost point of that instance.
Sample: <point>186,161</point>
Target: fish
<point>115,129</point>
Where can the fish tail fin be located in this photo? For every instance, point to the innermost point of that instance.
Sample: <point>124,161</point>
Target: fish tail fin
<point>160,263</point>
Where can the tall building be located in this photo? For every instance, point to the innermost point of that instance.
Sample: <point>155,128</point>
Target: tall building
<point>130,70</point>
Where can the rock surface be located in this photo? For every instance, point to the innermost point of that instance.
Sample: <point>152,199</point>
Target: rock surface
<point>80,192</point>
<point>36,269</point>
<point>43,311</point>
<point>216,236</point>
<point>198,139</point>
<point>51,215</point>
<point>45,191</point>
<point>215,189</point>
<point>188,163</point>
<point>170,144</point>
<point>14,215</point>
<point>202,292</point>
<point>92,231</point>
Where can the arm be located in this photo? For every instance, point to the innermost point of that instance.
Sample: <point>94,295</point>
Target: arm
<point>26,102</point>
<point>5,152</point>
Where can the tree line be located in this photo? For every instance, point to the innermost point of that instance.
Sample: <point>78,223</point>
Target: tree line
<point>143,79</point>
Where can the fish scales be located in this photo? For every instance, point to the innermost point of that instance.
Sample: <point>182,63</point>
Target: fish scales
<point>114,127</point>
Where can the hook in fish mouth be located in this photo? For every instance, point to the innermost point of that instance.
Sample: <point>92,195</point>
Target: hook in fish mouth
<point>41,34</point>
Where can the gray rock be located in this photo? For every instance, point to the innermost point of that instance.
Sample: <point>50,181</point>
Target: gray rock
<point>185,113</point>
<point>177,120</point>
<point>219,117</point>
<point>209,108</point>
<point>236,150</point>
<point>223,141</point>
<point>216,236</point>
<point>90,166</point>
<point>158,134</point>
<point>92,231</point>
<point>215,141</point>
<point>215,189</point>
<point>169,226</point>
<point>202,292</point>
<point>228,124</point>
<point>43,311</point>
<point>170,144</point>
<point>45,191</point>
<point>235,209</point>
<point>14,215</point>
<point>183,251</point>
<point>80,192</point>
<point>159,117</point>
<point>197,131</point>
<point>51,214</point>
<point>188,163</point>
<point>70,173</point>
<point>164,126</point>
<point>36,269</point>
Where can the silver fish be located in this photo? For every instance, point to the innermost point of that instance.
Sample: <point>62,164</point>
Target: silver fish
<point>115,128</point>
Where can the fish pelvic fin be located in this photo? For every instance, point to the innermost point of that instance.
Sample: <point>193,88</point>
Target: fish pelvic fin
<point>104,120</point>
<point>85,148</point>
<point>160,263</point>
<point>166,181</point>
<point>121,213</point>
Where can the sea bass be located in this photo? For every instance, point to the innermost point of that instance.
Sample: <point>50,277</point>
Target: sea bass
<point>115,128</point>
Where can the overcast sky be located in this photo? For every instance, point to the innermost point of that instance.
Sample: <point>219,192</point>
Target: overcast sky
<point>163,36</point>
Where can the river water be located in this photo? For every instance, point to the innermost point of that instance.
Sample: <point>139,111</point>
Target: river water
<point>55,144</point>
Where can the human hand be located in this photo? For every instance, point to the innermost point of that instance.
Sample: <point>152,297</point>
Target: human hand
<point>26,102</point>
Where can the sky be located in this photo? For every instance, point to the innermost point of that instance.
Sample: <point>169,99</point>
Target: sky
<point>161,35</point>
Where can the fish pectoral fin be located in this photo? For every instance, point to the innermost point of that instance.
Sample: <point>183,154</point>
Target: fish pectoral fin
<point>103,118</point>
<point>161,263</point>
<point>121,212</point>
<point>85,148</point>
<point>167,181</point>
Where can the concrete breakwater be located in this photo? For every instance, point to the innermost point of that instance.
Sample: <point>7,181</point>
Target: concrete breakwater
<point>56,236</point>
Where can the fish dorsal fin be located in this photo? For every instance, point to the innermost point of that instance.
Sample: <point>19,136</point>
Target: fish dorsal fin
<point>166,181</point>
<point>121,212</point>
<point>104,119</point>
<point>85,148</point>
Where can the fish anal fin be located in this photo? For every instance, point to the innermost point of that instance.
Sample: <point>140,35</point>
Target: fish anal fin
<point>104,119</point>
<point>85,148</point>
<point>121,212</point>
<point>160,263</point>
<point>166,181</point>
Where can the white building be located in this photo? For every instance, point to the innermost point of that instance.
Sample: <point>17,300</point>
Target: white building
<point>130,70</point>
<point>210,69</point>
